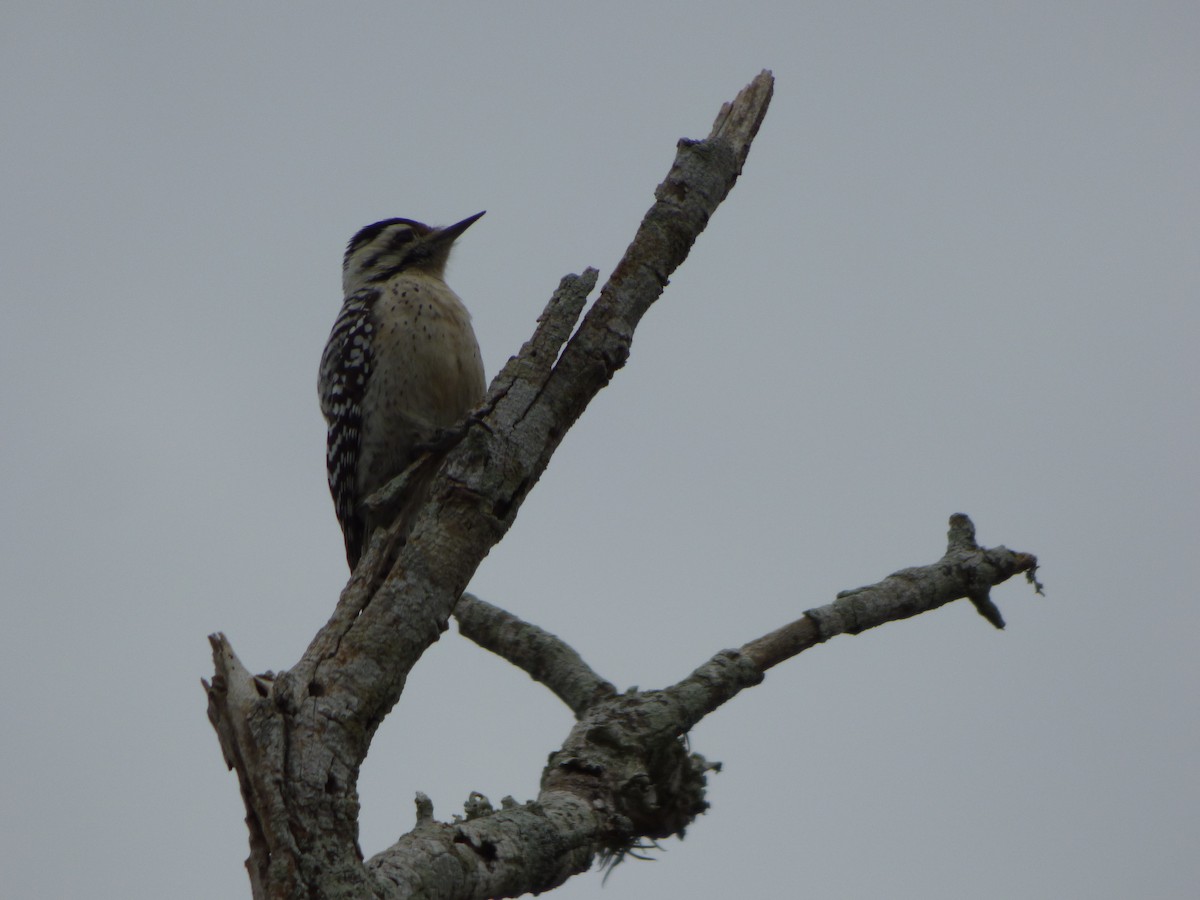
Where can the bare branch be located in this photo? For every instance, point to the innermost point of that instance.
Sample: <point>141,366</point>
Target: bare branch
<point>502,853</point>
<point>623,775</point>
<point>966,570</point>
<point>546,658</point>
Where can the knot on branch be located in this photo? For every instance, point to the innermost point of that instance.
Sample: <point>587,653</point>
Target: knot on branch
<point>662,800</point>
<point>629,758</point>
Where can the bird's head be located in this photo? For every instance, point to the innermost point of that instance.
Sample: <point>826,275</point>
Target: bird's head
<point>387,248</point>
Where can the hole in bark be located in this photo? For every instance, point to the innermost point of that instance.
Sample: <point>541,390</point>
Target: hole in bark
<point>486,849</point>
<point>315,689</point>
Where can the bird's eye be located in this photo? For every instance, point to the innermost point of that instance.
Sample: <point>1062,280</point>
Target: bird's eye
<point>400,237</point>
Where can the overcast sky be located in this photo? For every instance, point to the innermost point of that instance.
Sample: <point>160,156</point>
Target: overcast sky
<point>959,273</point>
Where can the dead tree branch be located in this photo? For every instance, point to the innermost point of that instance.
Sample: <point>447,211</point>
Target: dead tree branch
<point>624,774</point>
<point>547,659</point>
<point>297,740</point>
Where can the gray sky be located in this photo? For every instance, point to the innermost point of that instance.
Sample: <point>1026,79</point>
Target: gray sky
<point>960,273</point>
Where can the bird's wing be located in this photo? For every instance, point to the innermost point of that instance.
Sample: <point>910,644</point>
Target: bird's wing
<point>345,371</point>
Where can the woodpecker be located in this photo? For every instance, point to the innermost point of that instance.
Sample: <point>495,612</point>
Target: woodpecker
<point>401,365</point>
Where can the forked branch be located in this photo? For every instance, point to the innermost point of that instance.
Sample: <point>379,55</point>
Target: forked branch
<point>624,773</point>
<point>297,740</point>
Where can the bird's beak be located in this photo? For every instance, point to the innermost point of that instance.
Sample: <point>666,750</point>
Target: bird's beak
<point>450,232</point>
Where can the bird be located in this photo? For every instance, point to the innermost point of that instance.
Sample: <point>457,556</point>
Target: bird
<point>401,367</point>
